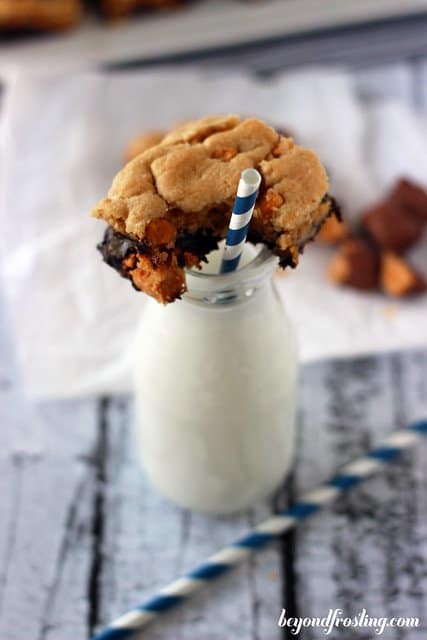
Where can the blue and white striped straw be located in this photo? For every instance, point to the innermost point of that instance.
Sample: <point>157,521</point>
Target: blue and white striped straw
<point>216,565</point>
<point>244,203</point>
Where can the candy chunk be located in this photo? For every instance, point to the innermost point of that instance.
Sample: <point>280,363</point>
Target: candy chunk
<point>356,264</point>
<point>393,228</point>
<point>398,278</point>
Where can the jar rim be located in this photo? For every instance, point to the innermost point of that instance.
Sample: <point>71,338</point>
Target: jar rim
<point>251,275</point>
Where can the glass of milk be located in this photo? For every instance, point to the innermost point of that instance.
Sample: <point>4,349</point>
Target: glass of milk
<point>215,379</point>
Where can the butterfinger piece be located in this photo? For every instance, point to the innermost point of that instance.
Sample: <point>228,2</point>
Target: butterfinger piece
<point>393,228</point>
<point>356,264</point>
<point>398,278</point>
<point>333,231</point>
<point>143,142</point>
<point>164,281</point>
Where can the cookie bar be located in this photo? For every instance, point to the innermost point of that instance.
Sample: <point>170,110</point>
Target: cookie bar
<point>39,14</point>
<point>183,189</point>
<point>122,8</point>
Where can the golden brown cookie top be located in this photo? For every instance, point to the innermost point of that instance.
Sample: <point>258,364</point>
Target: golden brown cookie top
<point>195,170</point>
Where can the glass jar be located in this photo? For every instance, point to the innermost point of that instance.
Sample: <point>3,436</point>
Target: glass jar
<point>215,381</point>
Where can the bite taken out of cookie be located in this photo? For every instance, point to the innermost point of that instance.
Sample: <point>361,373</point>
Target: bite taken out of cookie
<point>170,205</point>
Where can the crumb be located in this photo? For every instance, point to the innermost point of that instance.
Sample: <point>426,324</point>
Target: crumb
<point>390,311</point>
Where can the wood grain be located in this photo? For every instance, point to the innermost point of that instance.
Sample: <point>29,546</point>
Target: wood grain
<point>370,550</point>
<point>45,539</point>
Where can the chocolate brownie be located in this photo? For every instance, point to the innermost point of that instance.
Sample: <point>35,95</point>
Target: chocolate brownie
<point>391,227</point>
<point>39,14</point>
<point>185,186</point>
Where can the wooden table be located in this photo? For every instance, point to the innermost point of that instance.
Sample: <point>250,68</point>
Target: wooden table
<point>84,537</point>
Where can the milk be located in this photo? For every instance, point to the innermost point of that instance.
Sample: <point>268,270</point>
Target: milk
<point>215,377</point>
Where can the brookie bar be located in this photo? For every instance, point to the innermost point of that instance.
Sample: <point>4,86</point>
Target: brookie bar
<point>182,189</point>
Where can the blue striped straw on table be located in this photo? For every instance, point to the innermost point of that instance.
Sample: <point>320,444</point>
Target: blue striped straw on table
<point>215,566</point>
<point>244,203</point>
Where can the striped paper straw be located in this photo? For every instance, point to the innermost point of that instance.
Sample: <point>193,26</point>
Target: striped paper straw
<point>216,565</point>
<point>244,203</point>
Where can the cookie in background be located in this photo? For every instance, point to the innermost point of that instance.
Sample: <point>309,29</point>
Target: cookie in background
<point>116,9</point>
<point>58,15</point>
<point>42,15</point>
